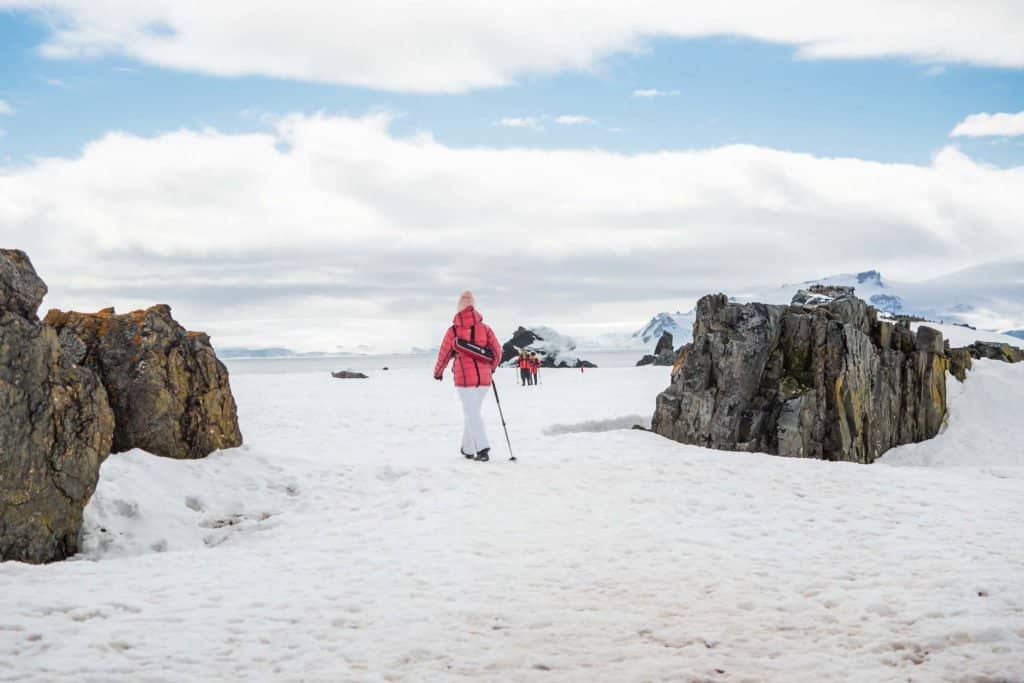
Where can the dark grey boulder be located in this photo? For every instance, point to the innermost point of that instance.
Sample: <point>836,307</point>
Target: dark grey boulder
<point>663,354</point>
<point>21,289</point>
<point>822,378</point>
<point>348,374</point>
<point>664,344</point>
<point>56,426</point>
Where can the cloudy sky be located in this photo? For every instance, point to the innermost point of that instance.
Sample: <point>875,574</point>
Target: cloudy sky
<point>318,175</point>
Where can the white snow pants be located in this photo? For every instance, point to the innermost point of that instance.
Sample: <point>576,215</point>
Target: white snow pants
<point>474,435</point>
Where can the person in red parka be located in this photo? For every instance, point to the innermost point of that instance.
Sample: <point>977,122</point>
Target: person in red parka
<point>472,374</point>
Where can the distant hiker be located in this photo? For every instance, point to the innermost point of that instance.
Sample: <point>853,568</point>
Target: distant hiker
<point>534,367</point>
<point>524,367</point>
<point>477,353</point>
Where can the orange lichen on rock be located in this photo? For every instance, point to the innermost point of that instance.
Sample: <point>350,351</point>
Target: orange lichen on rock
<point>171,395</point>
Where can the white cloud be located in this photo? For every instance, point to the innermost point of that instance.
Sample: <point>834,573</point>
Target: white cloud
<point>654,92</point>
<point>935,70</point>
<point>986,125</point>
<point>6,109</point>
<point>331,230</point>
<point>531,122</point>
<point>459,45</point>
<point>573,119</point>
<point>615,129</point>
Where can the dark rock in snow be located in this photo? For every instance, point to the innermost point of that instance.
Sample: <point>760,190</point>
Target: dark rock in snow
<point>56,426</point>
<point>549,352</point>
<point>663,354</point>
<point>169,392</point>
<point>349,374</point>
<point>521,338</point>
<point>664,344</point>
<point>996,351</point>
<point>21,289</point>
<point>822,378</point>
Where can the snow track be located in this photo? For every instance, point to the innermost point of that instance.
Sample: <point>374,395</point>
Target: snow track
<point>349,541</point>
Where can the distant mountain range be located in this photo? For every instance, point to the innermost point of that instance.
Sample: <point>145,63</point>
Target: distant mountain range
<point>989,297</point>
<point>277,352</point>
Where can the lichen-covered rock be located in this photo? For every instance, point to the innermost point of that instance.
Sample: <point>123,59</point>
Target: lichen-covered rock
<point>959,363</point>
<point>169,392</point>
<point>822,378</point>
<point>996,351</point>
<point>56,427</point>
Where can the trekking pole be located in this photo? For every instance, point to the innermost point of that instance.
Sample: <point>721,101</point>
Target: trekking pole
<point>503,425</point>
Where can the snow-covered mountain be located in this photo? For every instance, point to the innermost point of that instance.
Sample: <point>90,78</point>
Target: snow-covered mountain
<point>989,297</point>
<point>679,325</point>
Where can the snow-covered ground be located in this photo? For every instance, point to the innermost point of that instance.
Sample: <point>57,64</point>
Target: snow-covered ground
<point>349,541</point>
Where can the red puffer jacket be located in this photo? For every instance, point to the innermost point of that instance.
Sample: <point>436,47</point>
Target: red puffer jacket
<point>468,325</point>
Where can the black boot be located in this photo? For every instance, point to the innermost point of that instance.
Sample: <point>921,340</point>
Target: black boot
<point>484,455</point>
<point>469,456</point>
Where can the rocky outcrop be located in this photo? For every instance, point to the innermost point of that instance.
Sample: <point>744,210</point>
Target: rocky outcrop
<point>169,392</point>
<point>821,378</point>
<point>56,426</point>
<point>521,339</point>
<point>553,349</point>
<point>664,353</point>
<point>995,351</point>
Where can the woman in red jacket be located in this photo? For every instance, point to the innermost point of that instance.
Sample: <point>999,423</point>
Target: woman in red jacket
<point>472,372</point>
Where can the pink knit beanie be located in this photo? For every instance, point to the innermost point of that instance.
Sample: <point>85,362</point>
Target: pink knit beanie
<point>465,301</point>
